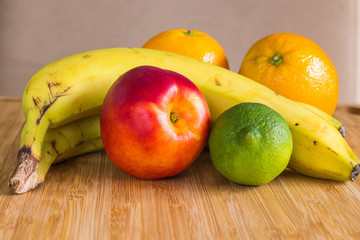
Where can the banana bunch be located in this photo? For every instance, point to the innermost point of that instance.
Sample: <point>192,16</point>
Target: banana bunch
<point>62,102</point>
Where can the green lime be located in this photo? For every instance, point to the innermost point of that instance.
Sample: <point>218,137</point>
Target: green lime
<point>250,144</point>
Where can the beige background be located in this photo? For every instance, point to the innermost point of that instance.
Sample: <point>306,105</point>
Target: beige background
<point>35,33</point>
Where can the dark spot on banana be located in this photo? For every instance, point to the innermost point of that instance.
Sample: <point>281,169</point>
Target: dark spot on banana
<point>86,56</point>
<point>65,90</point>
<point>53,144</point>
<point>217,82</point>
<point>79,143</point>
<point>55,84</point>
<point>27,88</point>
<point>49,87</point>
<point>315,143</point>
<point>296,124</point>
<point>43,111</point>
<point>328,148</point>
<point>36,101</point>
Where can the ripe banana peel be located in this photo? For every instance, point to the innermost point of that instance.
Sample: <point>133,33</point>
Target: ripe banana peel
<point>74,87</point>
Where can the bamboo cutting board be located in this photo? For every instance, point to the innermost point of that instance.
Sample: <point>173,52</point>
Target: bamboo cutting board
<point>87,197</point>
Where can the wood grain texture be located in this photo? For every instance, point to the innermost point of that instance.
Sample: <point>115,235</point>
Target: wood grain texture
<point>87,197</point>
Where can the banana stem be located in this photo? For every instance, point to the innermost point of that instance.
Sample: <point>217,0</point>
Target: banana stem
<point>355,172</point>
<point>342,131</point>
<point>25,176</point>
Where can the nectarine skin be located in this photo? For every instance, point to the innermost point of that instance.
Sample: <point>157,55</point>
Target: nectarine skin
<point>154,122</point>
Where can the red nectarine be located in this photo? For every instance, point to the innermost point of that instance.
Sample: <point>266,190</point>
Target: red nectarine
<point>154,122</point>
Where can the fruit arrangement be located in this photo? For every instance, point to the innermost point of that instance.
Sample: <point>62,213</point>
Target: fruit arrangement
<point>152,111</point>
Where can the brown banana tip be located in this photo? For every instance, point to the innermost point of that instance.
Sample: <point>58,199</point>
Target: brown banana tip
<point>25,176</point>
<point>342,131</point>
<point>355,172</point>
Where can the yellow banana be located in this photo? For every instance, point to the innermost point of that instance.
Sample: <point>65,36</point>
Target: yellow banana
<point>333,121</point>
<point>75,86</point>
<point>72,139</point>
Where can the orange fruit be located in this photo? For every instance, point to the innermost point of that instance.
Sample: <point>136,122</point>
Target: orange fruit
<point>295,67</point>
<point>190,43</point>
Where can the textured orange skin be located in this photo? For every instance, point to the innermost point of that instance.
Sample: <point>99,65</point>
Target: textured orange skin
<point>306,73</point>
<point>136,130</point>
<point>199,45</point>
